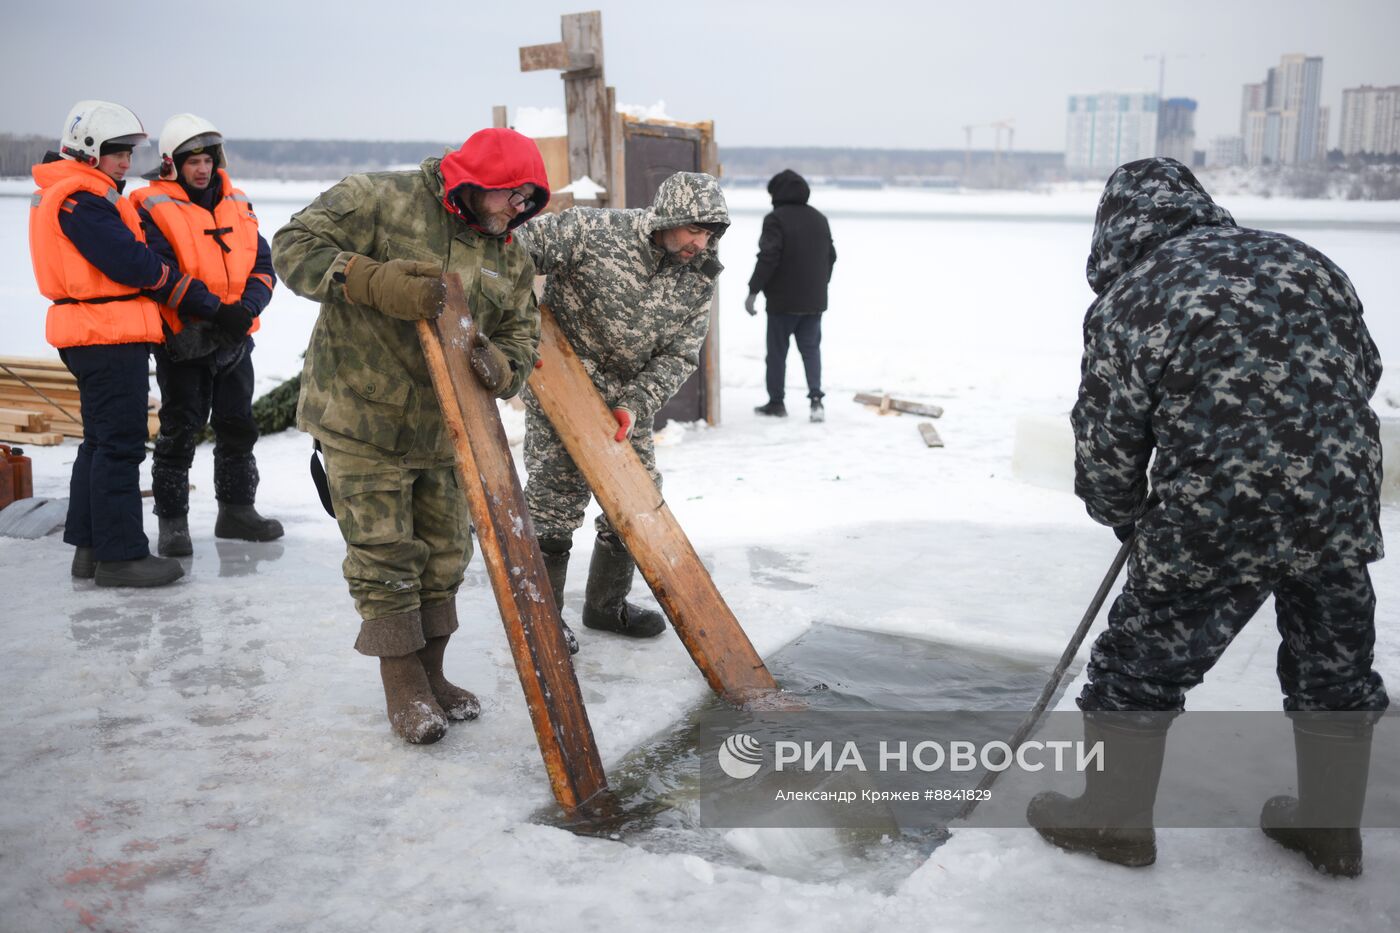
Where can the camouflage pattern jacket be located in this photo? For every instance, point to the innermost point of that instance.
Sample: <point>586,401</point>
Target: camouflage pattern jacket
<point>635,317</point>
<point>365,387</point>
<point>1241,357</point>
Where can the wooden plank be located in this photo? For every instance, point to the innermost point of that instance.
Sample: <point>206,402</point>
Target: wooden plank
<point>499,116</point>
<point>555,152</point>
<point>930,434</point>
<point>634,505</point>
<point>550,56</point>
<point>38,439</point>
<point>39,377</point>
<point>512,556</point>
<point>24,419</point>
<point>33,362</point>
<point>886,402</point>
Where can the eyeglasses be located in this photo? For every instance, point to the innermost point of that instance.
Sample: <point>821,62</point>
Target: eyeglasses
<point>521,201</point>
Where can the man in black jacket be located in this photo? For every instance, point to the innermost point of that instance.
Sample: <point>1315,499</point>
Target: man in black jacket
<point>795,257</point>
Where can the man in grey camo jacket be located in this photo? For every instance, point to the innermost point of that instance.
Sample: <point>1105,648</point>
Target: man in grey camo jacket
<point>1240,359</point>
<point>631,290</point>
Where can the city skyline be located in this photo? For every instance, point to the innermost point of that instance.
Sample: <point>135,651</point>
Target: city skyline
<point>898,75</point>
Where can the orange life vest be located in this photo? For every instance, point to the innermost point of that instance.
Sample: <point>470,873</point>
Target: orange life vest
<point>218,248</point>
<point>88,307</point>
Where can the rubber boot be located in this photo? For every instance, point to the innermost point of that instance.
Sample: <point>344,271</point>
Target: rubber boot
<point>772,410</point>
<point>1324,821</point>
<point>84,564</point>
<point>556,563</point>
<point>1112,819</point>
<point>459,704</point>
<point>604,601</point>
<point>244,523</point>
<point>147,571</point>
<point>413,710</point>
<point>174,540</point>
<point>818,411</point>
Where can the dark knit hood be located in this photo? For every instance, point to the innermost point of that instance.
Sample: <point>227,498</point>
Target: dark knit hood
<point>1145,204</point>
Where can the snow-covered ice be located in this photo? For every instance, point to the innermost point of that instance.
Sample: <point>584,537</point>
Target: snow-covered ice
<point>214,755</point>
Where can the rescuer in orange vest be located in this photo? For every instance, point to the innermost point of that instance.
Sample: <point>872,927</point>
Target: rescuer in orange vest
<point>91,261</point>
<point>199,222</point>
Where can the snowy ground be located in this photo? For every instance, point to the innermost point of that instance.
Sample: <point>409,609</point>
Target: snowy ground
<point>215,756</point>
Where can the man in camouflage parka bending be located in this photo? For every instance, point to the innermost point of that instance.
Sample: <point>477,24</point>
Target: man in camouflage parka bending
<point>1241,359</point>
<point>631,290</point>
<point>373,250</point>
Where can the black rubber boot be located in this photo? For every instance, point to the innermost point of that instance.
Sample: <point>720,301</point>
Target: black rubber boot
<point>413,711</point>
<point>244,523</point>
<point>605,606</point>
<point>556,563</point>
<point>458,703</point>
<point>1112,819</point>
<point>84,564</point>
<point>148,571</point>
<point>772,410</point>
<point>174,540</point>
<point>1324,821</point>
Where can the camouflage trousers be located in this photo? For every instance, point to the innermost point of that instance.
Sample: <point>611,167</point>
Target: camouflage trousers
<point>556,492</point>
<point>1161,642</point>
<point>407,543</point>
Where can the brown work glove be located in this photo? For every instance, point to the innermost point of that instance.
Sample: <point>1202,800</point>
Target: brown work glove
<point>490,365</point>
<point>401,288</point>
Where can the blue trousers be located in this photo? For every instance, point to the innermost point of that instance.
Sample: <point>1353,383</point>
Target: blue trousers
<point>104,495</point>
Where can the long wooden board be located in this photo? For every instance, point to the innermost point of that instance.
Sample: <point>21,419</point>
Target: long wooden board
<point>512,556</point>
<point>885,402</point>
<point>635,508</point>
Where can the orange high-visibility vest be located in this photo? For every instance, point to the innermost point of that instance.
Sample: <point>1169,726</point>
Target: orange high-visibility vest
<point>218,248</point>
<point>88,307</point>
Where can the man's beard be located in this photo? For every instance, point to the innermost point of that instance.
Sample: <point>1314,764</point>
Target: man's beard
<point>492,224</point>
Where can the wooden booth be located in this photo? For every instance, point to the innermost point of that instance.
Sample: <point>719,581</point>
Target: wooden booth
<point>627,158</point>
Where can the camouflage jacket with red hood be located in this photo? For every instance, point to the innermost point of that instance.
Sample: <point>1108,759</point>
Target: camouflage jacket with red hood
<point>365,387</point>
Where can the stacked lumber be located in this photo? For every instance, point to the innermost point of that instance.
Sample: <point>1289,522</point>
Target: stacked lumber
<point>42,391</point>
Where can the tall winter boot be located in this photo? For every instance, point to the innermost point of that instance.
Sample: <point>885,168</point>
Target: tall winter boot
<point>413,710</point>
<point>1112,819</point>
<point>456,702</point>
<point>244,523</point>
<point>1324,821</point>
<point>174,540</point>
<point>556,563</point>
<point>605,606</point>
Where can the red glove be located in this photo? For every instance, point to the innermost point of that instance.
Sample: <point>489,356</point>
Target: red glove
<point>624,424</point>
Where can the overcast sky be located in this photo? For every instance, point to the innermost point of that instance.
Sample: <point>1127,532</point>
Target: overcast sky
<point>854,73</point>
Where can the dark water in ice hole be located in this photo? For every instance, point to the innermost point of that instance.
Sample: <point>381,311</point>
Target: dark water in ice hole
<point>836,669</point>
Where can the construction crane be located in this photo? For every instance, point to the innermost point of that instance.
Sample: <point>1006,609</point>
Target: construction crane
<point>1009,125</point>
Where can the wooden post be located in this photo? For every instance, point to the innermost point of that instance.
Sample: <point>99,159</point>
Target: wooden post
<point>512,556</point>
<point>498,117</point>
<point>635,508</point>
<point>589,103</point>
<point>586,96</point>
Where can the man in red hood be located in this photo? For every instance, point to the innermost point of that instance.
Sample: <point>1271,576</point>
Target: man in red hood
<point>372,250</point>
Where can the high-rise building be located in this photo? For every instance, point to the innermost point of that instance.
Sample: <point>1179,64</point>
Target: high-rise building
<point>1225,152</point>
<point>1105,130</point>
<point>1370,120</point>
<point>1176,129</point>
<point>1282,120</point>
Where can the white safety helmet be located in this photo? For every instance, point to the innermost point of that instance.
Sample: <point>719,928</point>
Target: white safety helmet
<point>186,132</point>
<point>92,124</point>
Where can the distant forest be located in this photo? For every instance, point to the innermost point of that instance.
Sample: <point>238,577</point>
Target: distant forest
<point>1362,176</point>
<point>325,159</point>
